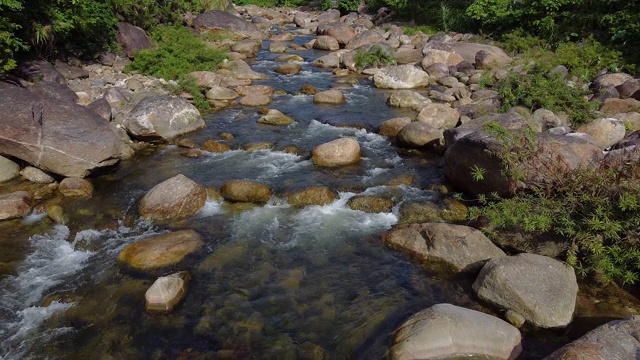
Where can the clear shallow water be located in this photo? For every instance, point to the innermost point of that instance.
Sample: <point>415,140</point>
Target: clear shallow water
<point>273,281</point>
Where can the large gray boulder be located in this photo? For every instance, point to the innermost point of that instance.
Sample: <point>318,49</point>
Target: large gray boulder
<point>174,198</point>
<point>441,246</point>
<point>55,136</point>
<point>132,38</point>
<point>614,340</point>
<point>162,117</point>
<point>606,132</point>
<point>401,77</point>
<point>408,99</point>
<point>338,152</point>
<point>446,331</point>
<point>222,20</point>
<point>540,288</point>
<point>419,134</point>
<point>440,116</point>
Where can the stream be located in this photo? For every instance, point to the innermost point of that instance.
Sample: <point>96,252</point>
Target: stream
<point>273,282</point>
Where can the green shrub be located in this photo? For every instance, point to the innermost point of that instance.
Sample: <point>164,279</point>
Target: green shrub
<point>149,13</point>
<point>187,84</point>
<point>596,210</point>
<point>375,57</point>
<point>273,3</point>
<point>178,52</point>
<point>425,29</point>
<point>537,90</point>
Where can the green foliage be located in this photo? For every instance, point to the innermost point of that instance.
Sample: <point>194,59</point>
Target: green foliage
<point>342,5</point>
<point>178,52</point>
<point>187,84</point>
<point>375,57</point>
<point>273,3</point>
<point>149,13</point>
<point>537,89</point>
<point>597,210</point>
<point>9,42</point>
<point>425,29</point>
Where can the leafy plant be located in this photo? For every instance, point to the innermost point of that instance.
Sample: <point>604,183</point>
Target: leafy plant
<point>537,90</point>
<point>376,56</point>
<point>187,84</point>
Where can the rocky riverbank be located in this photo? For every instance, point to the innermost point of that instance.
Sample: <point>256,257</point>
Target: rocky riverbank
<point>63,122</point>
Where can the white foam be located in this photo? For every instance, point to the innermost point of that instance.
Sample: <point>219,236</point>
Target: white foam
<point>33,218</point>
<point>210,208</point>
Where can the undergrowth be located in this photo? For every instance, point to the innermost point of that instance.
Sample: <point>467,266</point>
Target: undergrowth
<point>374,57</point>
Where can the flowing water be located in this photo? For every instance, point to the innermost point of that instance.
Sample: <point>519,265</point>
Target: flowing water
<point>273,281</point>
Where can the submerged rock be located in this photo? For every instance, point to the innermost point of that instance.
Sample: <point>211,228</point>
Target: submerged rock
<point>329,97</point>
<point>441,246</point>
<point>446,331</point>
<point>166,292</point>
<point>339,152</point>
<point>541,289</point>
<point>161,251</point>
<point>371,204</point>
<point>174,198</point>
<point>76,187</point>
<point>275,117</point>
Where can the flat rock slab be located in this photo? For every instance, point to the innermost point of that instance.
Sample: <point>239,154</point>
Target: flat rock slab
<point>15,205</point>
<point>445,331</point>
<point>540,288</point>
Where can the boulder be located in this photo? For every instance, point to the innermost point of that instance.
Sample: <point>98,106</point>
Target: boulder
<point>54,90</point>
<point>215,146</point>
<point>327,61</point>
<point>162,117</point>
<point>328,16</point>
<point>315,195</point>
<point>221,93</point>
<point>131,38</point>
<point>326,43</point>
<point>8,169</point>
<point>606,132</point>
<point>491,55</point>
<point>288,69</point>
<point>555,155</point>
<point>255,89</point>
<point>206,79</point>
<point>435,56</point>
<point>39,70</point>
<point>70,72</point>
<point>541,289</point>
<point>338,152</point>
<point>101,107</point>
<point>277,47</point>
<point>440,116</point>
<point>611,79</point>
<point>222,20</point>
<point>444,210</point>
<point>419,134</point>
<point>36,175</point>
<point>15,205</point>
<point>275,117</point>
<point>161,251</point>
<point>393,126</point>
<point>614,340</point>
<point>255,100</point>
<point>446,331</point>
<point>76,187</point>
<point>617,106</point>
<point>408,55</point>
<point>443,247</point>
<point>364,38</point>
<point>371,204</point>
<point>247,47</point>
<point>408,99</point>
<point>401,77</point>
<point>547,119</point>
<point>174,198</point>
<point>55,136</point>
<point>343,34</point>
<point>629,89</point>
<point>238,69</point>
<point>329,97</point>
<point>166,292</point>
<point>245,191</point>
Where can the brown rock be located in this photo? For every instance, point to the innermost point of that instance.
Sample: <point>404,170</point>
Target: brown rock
<point>215,146</point>
<point>166,292</point>
<point>393,126</point>
<point>371,204</point>
<point>175,198</point>
<point>132,38</point>
<point>329,97</point>
<point>339,152</point>
<point>245,191</point>
<point>255,100</point>
<point>288,69</point>
<point>315,195</point>
<point>161,251</point>
<point>76,187</point>
<point>14,205</point>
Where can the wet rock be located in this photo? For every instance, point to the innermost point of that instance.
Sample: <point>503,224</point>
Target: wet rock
<point>338,152</point>
<point>166,292</point>
<point>326,43</point>
<point>541,289</point>
<point>174,198</point>
<point>255,100</point>
<point>15,205</point>
<point>308,89</point>
<point>440,116</point>
<point>315,195</point>
<point>275,117</point>
<point>401,77</point>
<point>8,169</point>
<point>329,97</point>
<point>245,191</point>
<point>288,69</point>
<point>56,213</point>
<point>223,255</point>
<point>447,210</point>
<point>221,93</point>
<point>443,247</point>
<point>222,20</point>
<point>257,146</point>
<point>161,251</point>
<point>448,331</point>
<point>371,204</point>
<point>289,58</point>
<point>393,126</point>
<point>131,38</point>
<point>613,340</point>
<point>76,187</point>
<point>606,132</point>
<point>162,117</point>
<point>55,136</point>
<point>36,175</point>
<point>408,99</point>
<point>277,47</point>
<point>419,134</point>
